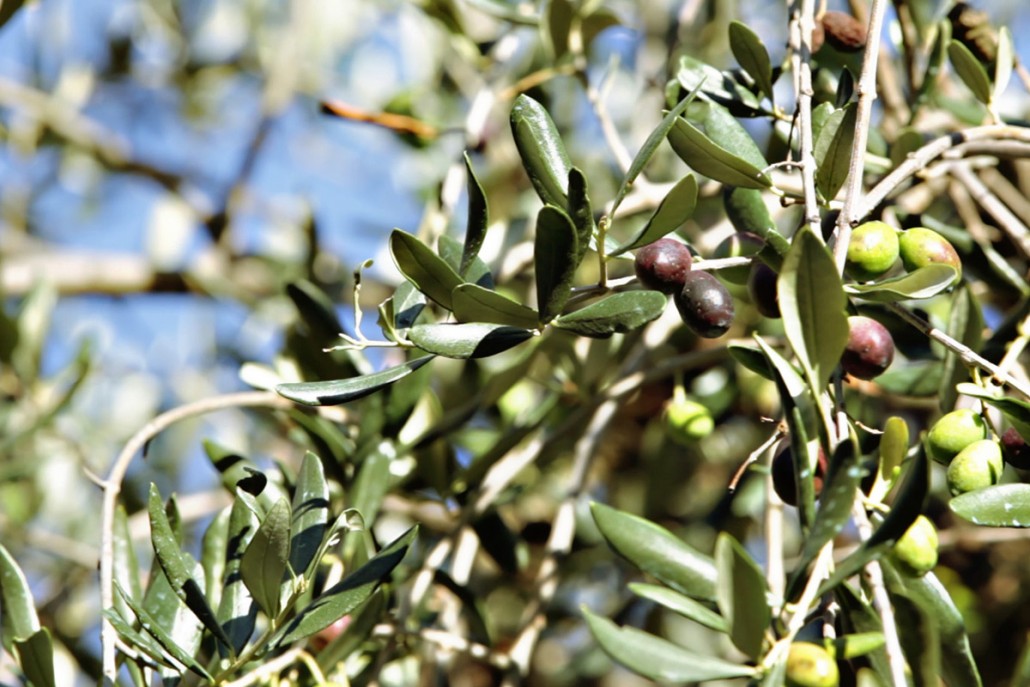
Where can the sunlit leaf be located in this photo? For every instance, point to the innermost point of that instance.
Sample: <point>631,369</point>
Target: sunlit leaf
<point>752,56</point>
<point>705,156</point>
<point>423,268</point>
<point>264,562</point>
<point>472,340</point>
<point>657,551</point>
<point>473,303</point>
<point>1015,410</point>
<point>310,513</point>
<point>1002,505</point>
<point>617,313</point>
<point>675,208</point>
<point>478,219</point>
<point>681,604</point>
<point>19,610</point>
<point>833,151</point>
<point>892,451</point>
<point>237,611</point>
<point>924,282</point>
<point>1004,61</point>
<point>347,595</point>
<point>741,594</point>
<point>339,391</point>
<point>657,658</point>
<point>555,253</point>
<point>812,303</point>
<point>541,149</point>
<point>720,86</point>
<point>970,70</point>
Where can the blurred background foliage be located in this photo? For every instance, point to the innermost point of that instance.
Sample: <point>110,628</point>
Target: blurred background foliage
<point>168,168</point>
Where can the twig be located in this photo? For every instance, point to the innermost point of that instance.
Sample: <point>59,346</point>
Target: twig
<point>866,91</point>
<point>968,355</point>
<point>113,485</point>
<point>1009,223</point>
<point>801,26</point>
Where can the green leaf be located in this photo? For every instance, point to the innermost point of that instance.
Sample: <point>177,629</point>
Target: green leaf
<point>680,603</point>
<point>422,267</point>
<point>156,628</point>
<point>720,148</point>
<point>911,500</point>
<point>969,69</point>
<point>36,658</point>
<point>212,556</point>
<point>126,566</point>
<point>752,56</point>
<point>264,562</point>
<point>19,610</point>
<point>558,16</point>
<point>237,611</point>
<point>647,151</point>
<point>310,513</point>
<point>923,283</point>
<point>451,250</point>
<point>347,595</point>
<point>473,303</point>
<point>741,593</point>
<point>176,568</point>
<point>1003,505</point>
<point>478,219</point>
<point>892,451</point>
<point>965,325</point>
<point>833,151</point>
<point>343,390</point>
<point>556,254</point>
<point>752,359</point>
<point>141,642</point>
<point>676,208</point>
<point>1004,60</point>
<point>957,664</point>
<point>617,313</point>
<point>580,212</point>
<point>920,640</point>
<point>812,303</point>
<point>471,340</point>
<point>541,149</point>
<point>657,658</point>
<point>1016,411</point>
<point>657,551</point>
<point>721,87</point>
<point>747,211</point>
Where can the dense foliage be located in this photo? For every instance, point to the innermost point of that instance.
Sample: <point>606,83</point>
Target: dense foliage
<point>731,387</point>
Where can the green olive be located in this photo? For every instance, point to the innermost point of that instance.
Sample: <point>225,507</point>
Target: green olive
<point>687,421</point>
<point>872,250</point>
<point>810,665</point>
<point>915,552</point>
<point>954,432</point>
<point>976,466</point>
<point>920,247</point>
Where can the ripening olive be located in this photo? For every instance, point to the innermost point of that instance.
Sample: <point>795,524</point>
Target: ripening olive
<point>976,466</point>
<point>705,305</point>
<point>810,665</point>
<point>687,421</point>
<point>740,244</point>
<point>870,348</point>
<point>872,250</point>
<point>663,265</point>
<point>783,475</point>
<point>954,432</point>
<point>1016,450</point>
<point>761,286</point>
<point>920,247</point>
<point>915,552</point>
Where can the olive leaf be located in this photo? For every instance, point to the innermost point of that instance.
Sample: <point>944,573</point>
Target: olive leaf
<point>751,54</point>
<point>473,303</point>
<point>343,390</point>
<point>422,267</point>
<point>970,70</point>
<point>681,604</point>
<point>833,151</point>
<point>541,149</point>
<point>741,593</point>
<point>713,143</point>
<point>556,253</point>
<point>675,208</point>
<point>1002,505</point>
<point>478,219</point>
<point>925,282</point>
<point>471,340</point>
<point>617,313</point>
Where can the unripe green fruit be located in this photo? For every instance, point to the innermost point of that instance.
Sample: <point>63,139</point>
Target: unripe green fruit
<point>810,665</point>
<point>920,247</point>
<point>687,421</point>
<point>872,250</point>
<point>976,466</point>
<point>915,552</point>
<point>954,432</point>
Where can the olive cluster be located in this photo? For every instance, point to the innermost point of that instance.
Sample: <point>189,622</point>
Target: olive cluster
<point>875,248</point>
<point>974,457</point>
<point>703,302</point>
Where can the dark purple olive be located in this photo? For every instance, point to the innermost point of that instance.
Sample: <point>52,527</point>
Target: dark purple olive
<point>1015,449</point>
<point>705,305</point>
<point>663,265</point>
<point>761,286</point>
<point>783,475</point>
<point>870,348</point>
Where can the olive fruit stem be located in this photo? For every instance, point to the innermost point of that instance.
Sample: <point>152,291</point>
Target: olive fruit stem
<point>968,355</point>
